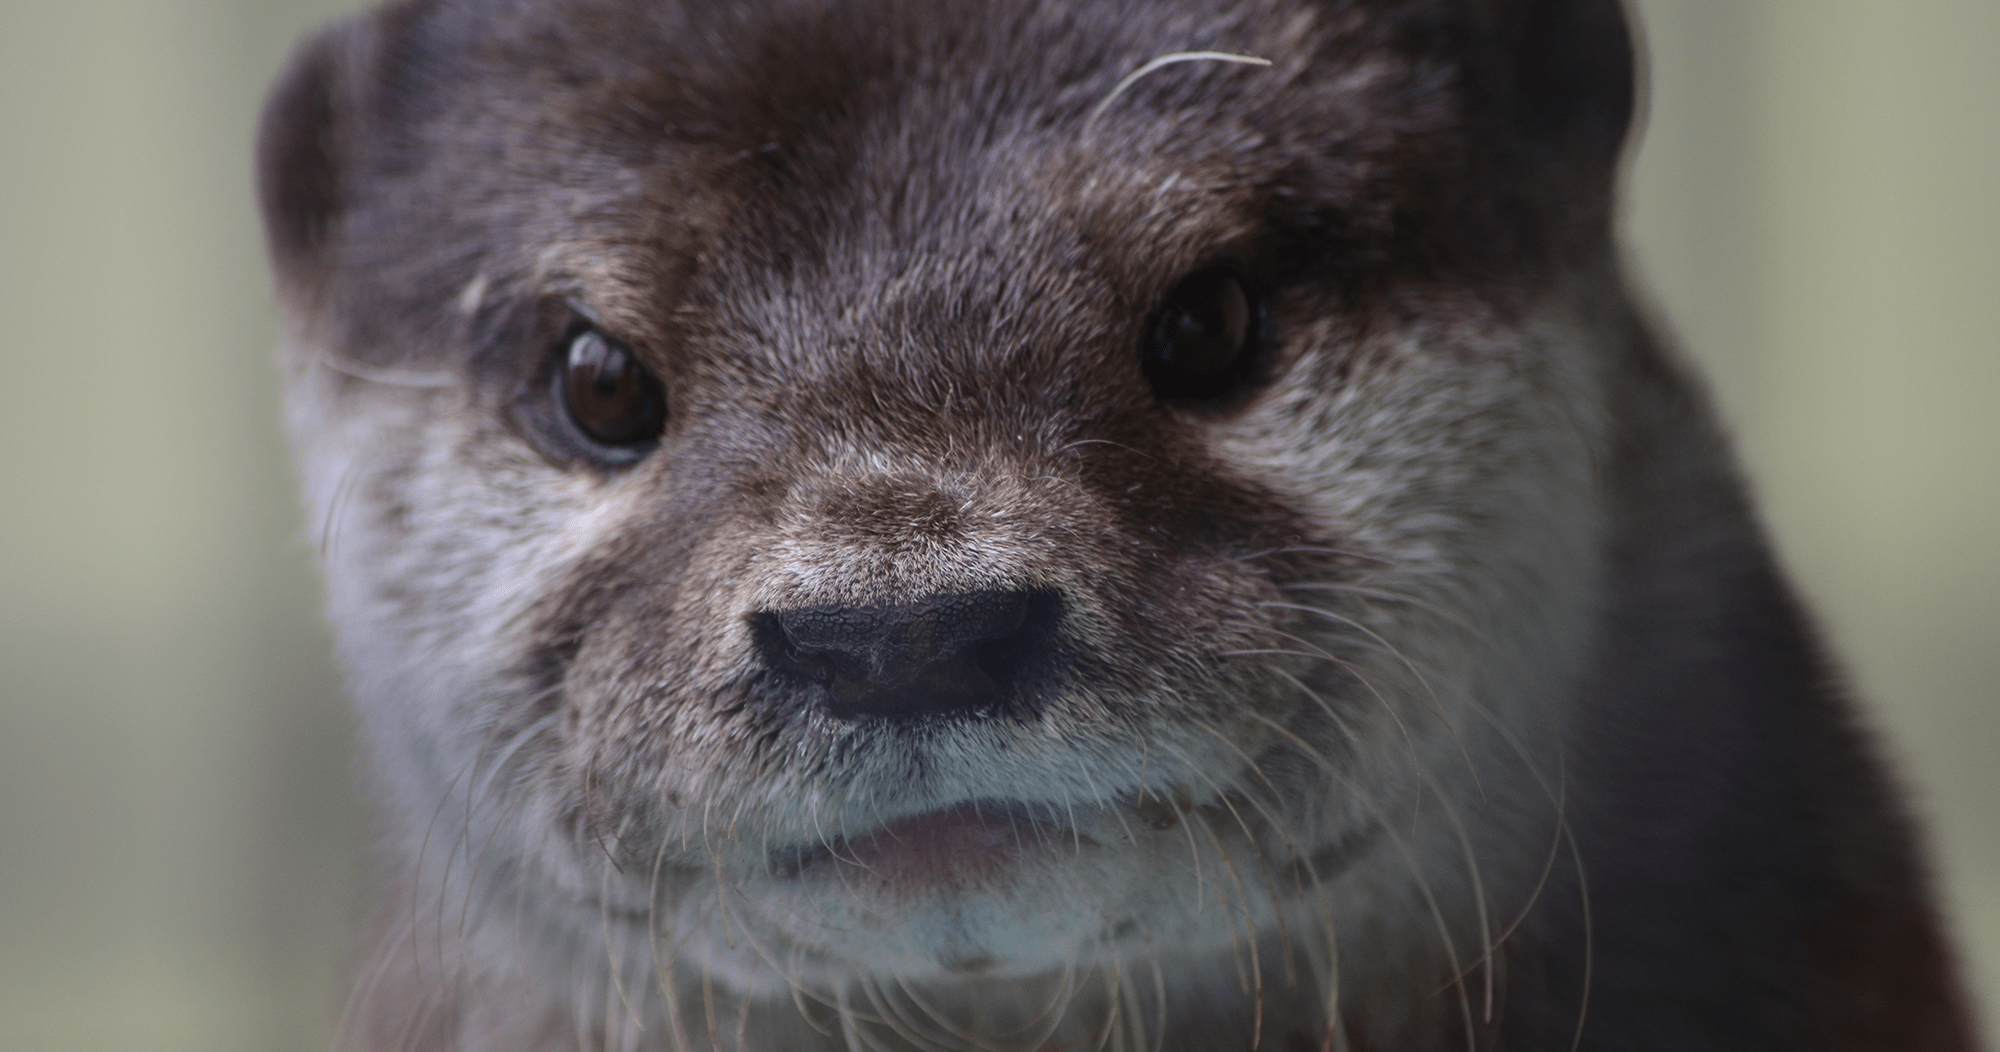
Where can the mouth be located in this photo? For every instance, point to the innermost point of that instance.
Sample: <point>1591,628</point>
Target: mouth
<point>960,848</point>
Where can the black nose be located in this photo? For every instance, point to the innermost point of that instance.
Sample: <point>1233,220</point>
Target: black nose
<point>949,654</point>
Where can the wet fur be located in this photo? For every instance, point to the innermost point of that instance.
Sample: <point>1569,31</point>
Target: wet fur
<point>1439,692</point>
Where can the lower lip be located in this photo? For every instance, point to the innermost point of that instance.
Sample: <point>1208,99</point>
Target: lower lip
<point>945,851</point>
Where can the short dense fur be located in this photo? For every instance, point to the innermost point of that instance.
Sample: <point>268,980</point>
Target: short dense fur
<point>1434,691</point>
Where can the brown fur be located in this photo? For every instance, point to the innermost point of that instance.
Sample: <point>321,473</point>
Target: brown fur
<point>1432,690</point>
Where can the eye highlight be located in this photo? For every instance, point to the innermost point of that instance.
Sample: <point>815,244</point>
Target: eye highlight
<point>1203,341</point>
<point>610,397</point>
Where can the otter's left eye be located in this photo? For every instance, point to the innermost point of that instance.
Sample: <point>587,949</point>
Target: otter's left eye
<point>610,397</point>
<point>1203,341</point>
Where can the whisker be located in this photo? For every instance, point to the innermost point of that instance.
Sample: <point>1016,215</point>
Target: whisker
<point>663,970</point>
<point>1437,703</point>
<point>329,526</point>
<point>1159,995</point>
<point>1313,549</point>
<point>1589,943</point>
<point>613,952</point>
<point>1437,706</point>
<point>499,763</point>
<point>1557,797</point>
<point>894,1019</point>
<point>945,1022</point>
<point>1409,861</point>
<point>1470,856</point>
<point>376,374</point>
<point>1114,1006</point>
<point>1161,62</point>
<point>1271,823</point>
<point>1104,442</point>
<point>1256,979</point>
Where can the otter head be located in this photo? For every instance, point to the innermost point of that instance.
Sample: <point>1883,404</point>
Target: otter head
<point>824,496</point>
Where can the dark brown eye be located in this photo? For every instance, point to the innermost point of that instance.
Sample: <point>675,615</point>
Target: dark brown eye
<point>610,397</point>
<point>1203,341</point>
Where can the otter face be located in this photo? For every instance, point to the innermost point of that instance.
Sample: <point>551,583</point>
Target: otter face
<point>817,497</point>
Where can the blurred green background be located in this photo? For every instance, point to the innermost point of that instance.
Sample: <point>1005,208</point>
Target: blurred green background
<point>1814,209</point>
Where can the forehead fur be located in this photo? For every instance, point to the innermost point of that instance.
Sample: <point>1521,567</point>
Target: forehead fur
<point>667,157</point>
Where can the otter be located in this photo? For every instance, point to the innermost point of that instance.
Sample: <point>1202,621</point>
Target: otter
<point>1027,525</point>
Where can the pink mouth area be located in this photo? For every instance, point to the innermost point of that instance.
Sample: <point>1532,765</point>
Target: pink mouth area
<point>954,850</point>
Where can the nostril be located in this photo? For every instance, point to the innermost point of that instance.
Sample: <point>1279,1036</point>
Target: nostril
<point>949,653</point>
<point>782,650</point>
<point>1002,656</point>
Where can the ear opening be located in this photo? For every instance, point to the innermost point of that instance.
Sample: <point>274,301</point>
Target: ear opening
<point>304,140</point>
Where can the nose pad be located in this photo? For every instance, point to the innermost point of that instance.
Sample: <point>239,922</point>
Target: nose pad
<point>948,654</point>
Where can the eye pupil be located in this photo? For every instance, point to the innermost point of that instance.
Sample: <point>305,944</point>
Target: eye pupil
<point>609,395</point>
<point>1204,339</point>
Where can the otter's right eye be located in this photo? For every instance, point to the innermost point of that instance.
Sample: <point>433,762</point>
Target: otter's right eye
<point>1203,339</point>
<point>610,397</point>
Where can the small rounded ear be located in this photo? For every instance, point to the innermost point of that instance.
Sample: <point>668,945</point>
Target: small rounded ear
<point>1571,64</point>
<point>304,139</point>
